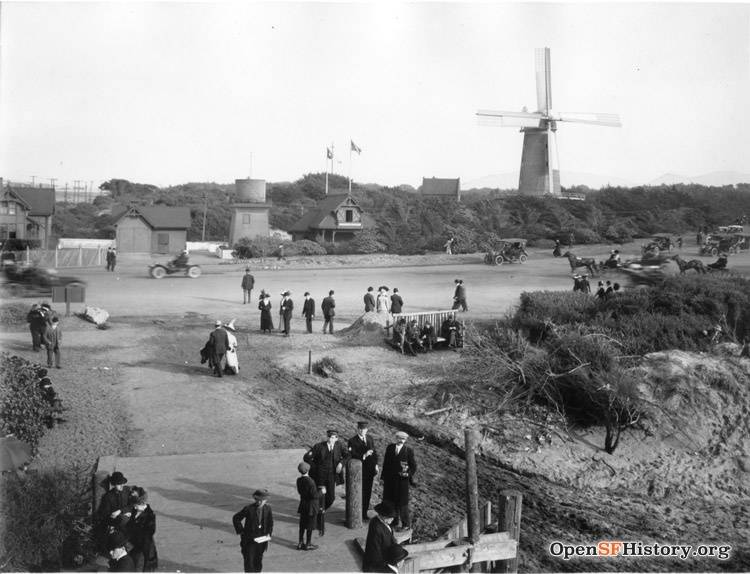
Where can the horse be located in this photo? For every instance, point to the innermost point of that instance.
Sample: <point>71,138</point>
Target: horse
<point>687,265</point>
<point>588,262</point>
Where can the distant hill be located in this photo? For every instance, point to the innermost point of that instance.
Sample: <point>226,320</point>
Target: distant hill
<point>567,178</point>
<point>714,179</point>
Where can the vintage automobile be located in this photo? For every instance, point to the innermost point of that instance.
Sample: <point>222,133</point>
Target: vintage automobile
<point>657,244</point>
<point>23,280</point>
<point>512,250</point>
<point>159,270</point>
<point>717,243</point>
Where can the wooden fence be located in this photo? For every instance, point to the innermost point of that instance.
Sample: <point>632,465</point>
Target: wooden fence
<point>65,257</point>
<point>436,318</point>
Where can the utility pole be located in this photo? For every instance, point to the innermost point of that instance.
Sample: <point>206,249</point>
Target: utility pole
<point>76,190</point>
<point>205,208</point>
<point>33,180</point>
<point>91,190</point>
<point>66,192</point>
<point>52,181</point>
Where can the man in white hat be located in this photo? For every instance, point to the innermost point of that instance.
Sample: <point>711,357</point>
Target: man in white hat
<point>399,467</point>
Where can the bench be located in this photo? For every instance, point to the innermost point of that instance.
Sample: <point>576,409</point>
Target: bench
<point>435,318</point>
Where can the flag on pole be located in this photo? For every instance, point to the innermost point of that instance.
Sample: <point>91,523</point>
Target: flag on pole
<point>355,147</point>
<point>329,153</point>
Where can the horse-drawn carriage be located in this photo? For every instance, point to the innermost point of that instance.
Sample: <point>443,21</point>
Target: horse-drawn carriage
<point>511,250</point>
<point>716,244</point>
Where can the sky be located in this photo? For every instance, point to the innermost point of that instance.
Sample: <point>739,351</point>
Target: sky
<point>169,93</point>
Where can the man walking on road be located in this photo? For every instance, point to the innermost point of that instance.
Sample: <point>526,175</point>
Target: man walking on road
<point>256,530</point>
<point>248,282</point>
<point>362,447</point>
<point>308,310</point>
<point>328,305</point>
<point>219,342</point>
<point>459,297</point>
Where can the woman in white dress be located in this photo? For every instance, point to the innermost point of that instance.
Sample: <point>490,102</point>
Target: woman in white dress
<point>383,301</point>
<point>233,363</point>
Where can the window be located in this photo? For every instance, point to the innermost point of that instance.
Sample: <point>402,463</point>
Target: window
<point>11,208</point>
<point>3,208</point>
<point>162,238</point>
<point>349,215</point>
<point>245,219</point>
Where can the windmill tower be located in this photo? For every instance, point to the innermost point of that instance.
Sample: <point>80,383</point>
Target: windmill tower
<point>540,165</point>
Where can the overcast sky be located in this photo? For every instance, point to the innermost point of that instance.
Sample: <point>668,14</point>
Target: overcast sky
<point>167,93</point>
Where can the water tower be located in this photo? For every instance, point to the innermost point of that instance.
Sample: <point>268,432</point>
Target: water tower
<point>250,213</point>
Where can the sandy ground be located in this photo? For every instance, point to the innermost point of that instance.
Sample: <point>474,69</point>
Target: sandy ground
<point>138,389</point>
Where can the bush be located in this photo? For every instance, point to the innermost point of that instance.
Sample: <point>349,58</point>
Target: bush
<point>367,241</point>
<point>304,247</point>
<point>247,248</point>
<point>23,410</point>
<point>13,313</point>
<point>326,366</point>
<point>47,519</point>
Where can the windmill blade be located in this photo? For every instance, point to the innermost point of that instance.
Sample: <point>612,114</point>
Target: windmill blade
<point>493,118</point>
<point>543,80</point>
<point>507,114</point>
<point>612,120</point>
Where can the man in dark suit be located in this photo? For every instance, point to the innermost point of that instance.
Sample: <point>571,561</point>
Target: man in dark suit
<point>380,539</point>
<point>459,296</point>
<point>287,305</point>
<point>51,339</point>
<point>328,305</point>
<point>258,524</point>
<point>369,300</point>
<point>397,303</point>
<point>308,310</point>
<point>327,459</point>
<point>219,343</point>
<point>248,282</point>
<point>399,467</point>
<point>111,506</point>
<point>362,447</point>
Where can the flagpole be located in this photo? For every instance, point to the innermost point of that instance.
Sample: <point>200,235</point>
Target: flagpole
<point>350,166</point>
<point>326,172</point>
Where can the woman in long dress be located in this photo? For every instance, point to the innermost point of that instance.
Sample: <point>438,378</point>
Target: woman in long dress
<point>233,363</point>
<point>383,302</point>
<point>266,321</point>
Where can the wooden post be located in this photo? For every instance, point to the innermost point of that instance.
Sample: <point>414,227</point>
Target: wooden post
<point>509,520</point>
<point>354,493</point>
<point>28,255</point>
<point>309,362</point>
<point>472,491</point>
<point>56,261</point>
<point>80,256</point>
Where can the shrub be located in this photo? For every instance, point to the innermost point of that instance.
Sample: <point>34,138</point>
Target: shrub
<point>305,247</point>
<point>367,241</point>
<point>47,519</point>
<point>247,248</point>
<point>326,366</point>
<point>13,313</point>
<point>23,410</point>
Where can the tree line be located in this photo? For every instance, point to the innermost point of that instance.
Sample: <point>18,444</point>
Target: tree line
<point>406,222</point>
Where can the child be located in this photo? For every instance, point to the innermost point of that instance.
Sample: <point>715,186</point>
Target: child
<point>309,505</point>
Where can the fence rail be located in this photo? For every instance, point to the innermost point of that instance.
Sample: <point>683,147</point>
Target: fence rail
<point>436,318</point>
<point>65,257</point>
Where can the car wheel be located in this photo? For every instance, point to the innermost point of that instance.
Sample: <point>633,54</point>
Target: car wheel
<point>194,272</point>
<point>499,260</point>
<point>158,272</point>
<point>522,258</point>
<point>714,251</point>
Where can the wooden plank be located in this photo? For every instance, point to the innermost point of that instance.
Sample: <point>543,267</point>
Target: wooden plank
<point>458,555</point>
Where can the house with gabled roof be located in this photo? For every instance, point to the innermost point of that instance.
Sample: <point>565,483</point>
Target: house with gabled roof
<point>441,187</point>
<point>151,229</point>
<point>336,218</point>
<point>26,213</point>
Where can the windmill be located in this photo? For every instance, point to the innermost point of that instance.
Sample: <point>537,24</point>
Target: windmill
<point>540,170</point>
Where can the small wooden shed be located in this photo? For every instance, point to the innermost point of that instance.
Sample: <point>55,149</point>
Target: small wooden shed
<point>151,229</point>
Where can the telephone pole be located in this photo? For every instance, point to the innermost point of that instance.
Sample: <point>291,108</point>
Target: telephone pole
<point>205,208</point>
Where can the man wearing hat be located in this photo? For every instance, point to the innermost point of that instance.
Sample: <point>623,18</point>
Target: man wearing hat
<point>287,305</point>
<point>362,447</point>
<point>111,505</point>
<point>219,343</point>
<point>256,531</point>
<point>399,467</point>
<point>140,528</point>
<point>380,539</point>
<point>327,460</point>
<point>369,300</point>
<point>309,505</point>
<point>459,296</point>
<point>308,310</point>
<point>120,560</point>
<point>248,282</point>
<point>328,307</point>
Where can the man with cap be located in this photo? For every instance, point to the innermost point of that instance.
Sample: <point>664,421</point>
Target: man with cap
<point>327,460</point>
<point>111,506</point>
<point>119,559</point>
<point>328,307</point>
<point>362,447</point>
<point>287,305</point>
<point>399,467</point>
<point>369,300</point>
<point>219,343</point>
<point>309,505</point>
<point>397,303</point>
<point>380,539</point>
<point>256,530</point>
<point>248,282</point>
<point>308,310</point>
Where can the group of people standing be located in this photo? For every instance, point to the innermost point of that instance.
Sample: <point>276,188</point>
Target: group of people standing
<point>125,526</point>
<point>46,332</point>
<point>383,302</point>
<point>111,258</point>
<point>220,352</point>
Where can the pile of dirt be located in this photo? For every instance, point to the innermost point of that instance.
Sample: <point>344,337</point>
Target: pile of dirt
<point>370,329</point>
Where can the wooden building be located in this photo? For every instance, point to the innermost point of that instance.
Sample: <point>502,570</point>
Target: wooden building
<point>337,218</point>
<point>26,213</point>
<point>441,187</point>
<point>152,229</point>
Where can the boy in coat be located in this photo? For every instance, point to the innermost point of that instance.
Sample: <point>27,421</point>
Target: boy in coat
<point>380,539</point>
<point>399,467</point>
<point>258,524</point>
<point>248,282</point>
<point>308,310</point>
<point>309,505</point>
<point>327,306</point>
<point>51,339</point>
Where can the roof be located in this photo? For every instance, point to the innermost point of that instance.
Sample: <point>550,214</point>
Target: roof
<point>157,216</point>
<point>41,200</point>
<point>438,186</point>
<point>9,194</point>
<point>321,216</point>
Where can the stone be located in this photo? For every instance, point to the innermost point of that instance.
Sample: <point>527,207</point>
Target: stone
<point>95,315</point>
